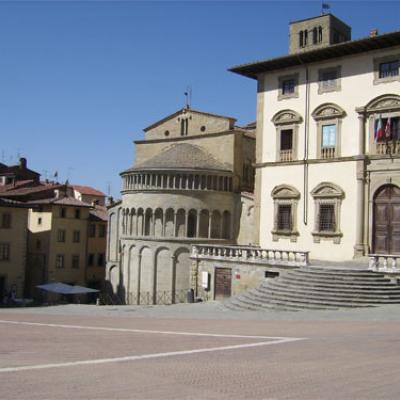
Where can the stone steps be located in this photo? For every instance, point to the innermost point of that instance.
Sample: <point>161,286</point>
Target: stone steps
<point>317,289</point>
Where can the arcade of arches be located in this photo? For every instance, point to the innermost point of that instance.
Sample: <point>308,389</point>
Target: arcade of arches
<point>210,224</point>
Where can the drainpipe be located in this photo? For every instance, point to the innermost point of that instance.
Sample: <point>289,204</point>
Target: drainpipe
<point>306,140</point>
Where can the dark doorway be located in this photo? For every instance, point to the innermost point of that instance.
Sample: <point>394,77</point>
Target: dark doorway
<point>2,288</point>
<point>223,283</point>
<point>386,220</point>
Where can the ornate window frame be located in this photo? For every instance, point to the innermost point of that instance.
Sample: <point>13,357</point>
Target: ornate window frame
<point>327,193</point>
<point>338,85</point>
<point>283,120</point>
<point>381,60</point>
<point>384,106</point>
<point>328,114</point>
<point>285,195</point>
<point>281,80</point>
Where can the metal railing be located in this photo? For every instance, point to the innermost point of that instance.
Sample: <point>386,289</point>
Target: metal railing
<point>254,255</point>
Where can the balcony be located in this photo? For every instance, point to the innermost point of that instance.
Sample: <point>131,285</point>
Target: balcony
<point>286,155</point>
<point>251,255</point>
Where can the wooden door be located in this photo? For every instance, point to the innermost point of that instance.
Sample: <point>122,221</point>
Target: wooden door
<point>386,227</point>
<point>223,283</point>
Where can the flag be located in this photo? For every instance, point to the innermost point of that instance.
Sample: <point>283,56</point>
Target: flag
<point>379,133</point>
<point>56,174</point>
<point>388,129</point>
<point>326,6</point>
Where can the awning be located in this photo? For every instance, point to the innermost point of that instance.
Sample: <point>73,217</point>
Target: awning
<point>63,288</point>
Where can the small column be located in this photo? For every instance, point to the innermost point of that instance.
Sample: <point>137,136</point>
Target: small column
<point>186,223</point>
<point>175,227</point>
<point>209,224</point>
<point>173,278</point>
<point>198,224</point>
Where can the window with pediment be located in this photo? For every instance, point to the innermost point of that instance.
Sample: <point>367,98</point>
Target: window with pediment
<point>327,202</point>
<point>287,125</point>
<point>328,117</point>
<point>286,199</point>
<point>383,115</point>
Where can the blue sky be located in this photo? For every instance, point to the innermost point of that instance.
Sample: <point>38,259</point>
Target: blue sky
<point>80,80</point>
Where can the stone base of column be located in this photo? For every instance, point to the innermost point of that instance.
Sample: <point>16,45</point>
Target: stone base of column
<point>359,250</point>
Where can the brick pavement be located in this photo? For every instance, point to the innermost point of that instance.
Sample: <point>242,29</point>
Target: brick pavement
<point>356,359</point>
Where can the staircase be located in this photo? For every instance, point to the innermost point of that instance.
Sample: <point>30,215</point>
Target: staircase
<point>319,289</point>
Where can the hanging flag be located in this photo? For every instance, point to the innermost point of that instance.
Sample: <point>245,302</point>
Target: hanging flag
<point>326,6</point>
<point>379,133</point>
<point>388,129</point>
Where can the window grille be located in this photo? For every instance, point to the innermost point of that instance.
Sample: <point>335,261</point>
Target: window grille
<point>389,69</point>
<point>327,221</point>
<point>285,217</point>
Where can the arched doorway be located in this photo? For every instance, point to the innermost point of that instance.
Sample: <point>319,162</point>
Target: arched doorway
<point>386,226</point>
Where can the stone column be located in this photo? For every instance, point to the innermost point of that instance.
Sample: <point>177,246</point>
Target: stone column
<point>173,278</point>
<point>175,227</point>
<point>209,224</point>
<point>359,245</point>
<point>198,223</point>
<point>186,223</point>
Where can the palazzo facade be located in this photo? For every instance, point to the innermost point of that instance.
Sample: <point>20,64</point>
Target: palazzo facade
<point>328,142</point>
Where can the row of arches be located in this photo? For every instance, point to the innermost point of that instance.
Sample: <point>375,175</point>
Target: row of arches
<point>157,180</point>
<point>192,223</point>
<point>151,276</point>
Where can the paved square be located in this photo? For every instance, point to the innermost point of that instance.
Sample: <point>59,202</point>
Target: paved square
<point>84,352</point>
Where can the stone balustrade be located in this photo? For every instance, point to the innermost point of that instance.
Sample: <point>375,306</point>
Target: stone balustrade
<point>384,263</point>
<point>250,254</point>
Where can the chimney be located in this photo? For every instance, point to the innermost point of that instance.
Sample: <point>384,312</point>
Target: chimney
<point>373,33</point>
<point>22,163</point>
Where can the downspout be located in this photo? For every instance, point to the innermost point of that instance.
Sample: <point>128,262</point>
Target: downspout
<point>306,140</point>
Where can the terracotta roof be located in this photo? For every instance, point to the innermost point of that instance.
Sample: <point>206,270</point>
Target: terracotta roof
<point>87,190</point>
<point>17,185</point>
<point>65,201</point>
<point>251,70</point>
<point>185,110</point>
<point>182,156</point>
<point>26,190</point>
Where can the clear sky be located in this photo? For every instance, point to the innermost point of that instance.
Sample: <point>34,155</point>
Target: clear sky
<point>80,80</point>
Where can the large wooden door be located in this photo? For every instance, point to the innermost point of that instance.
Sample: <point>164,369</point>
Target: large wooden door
<point>223,283</point>
<point>386,227</point>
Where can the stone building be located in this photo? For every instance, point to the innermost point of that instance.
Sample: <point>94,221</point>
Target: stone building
<point>328,143</point>
<point>51,232</point>
<point>189,185</point>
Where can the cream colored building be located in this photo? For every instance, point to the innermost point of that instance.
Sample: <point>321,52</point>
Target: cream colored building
<point>186,187</point>
<point>13,248</point>
<point>324,182</point>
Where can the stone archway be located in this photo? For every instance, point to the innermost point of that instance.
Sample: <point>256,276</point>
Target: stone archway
<point>386,220</point>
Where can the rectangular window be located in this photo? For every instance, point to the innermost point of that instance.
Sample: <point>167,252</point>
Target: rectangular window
<point>288,86</point>
<point>90,259</point>
<point>39,221</point>
<point>76,238</point>
<point>100,260</point>
<point>92,230</point>
<point>63,212</point>
<point>4,251</point>
<point>329,79</point>
<point>327,221</point>
<point>287,139</point>
<point>328,136</point>
<point>6,221</point>
<point>284,217</point>
<point>61,235</point>
<point>75,262</point>
<point>60,261</point>
<point>389,69</point>
<point>102,231</point>
<point>77,213</point>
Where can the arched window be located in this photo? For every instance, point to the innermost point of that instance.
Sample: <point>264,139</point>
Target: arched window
<point>285,212</point>
<point>383,114</point>
<point>287,125</point>
<point>329,118</point>
<point>327,201</point>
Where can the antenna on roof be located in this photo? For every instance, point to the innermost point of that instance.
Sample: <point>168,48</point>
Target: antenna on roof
<point>324,7</point>
<point>188,96</point>
<point>108,188</point>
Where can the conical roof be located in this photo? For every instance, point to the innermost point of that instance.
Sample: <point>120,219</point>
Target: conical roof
<point>182,156</point>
